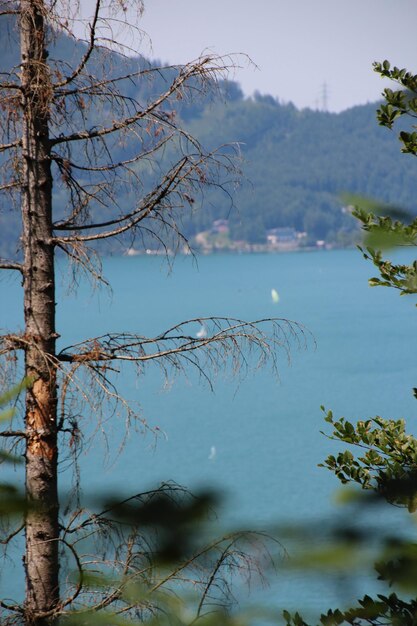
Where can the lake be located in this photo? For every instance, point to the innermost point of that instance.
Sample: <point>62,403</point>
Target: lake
<point>256,439</point>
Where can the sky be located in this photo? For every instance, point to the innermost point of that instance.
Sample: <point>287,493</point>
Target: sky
<point>316,54</point>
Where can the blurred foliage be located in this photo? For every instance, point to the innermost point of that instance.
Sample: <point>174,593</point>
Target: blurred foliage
<point>380,456</point>
<point>387,226</point>
<point>153,558</point>
<point>10,396</point>
<point>173,574</point>
<point>12,500</point>
<point>385,230</point>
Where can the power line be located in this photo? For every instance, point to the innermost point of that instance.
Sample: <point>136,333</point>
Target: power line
<point>324,96</point>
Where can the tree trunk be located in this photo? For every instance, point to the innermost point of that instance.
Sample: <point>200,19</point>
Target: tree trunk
<point>41,559</point>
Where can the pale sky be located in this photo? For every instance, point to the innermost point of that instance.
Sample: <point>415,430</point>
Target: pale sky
<point>298,46</point>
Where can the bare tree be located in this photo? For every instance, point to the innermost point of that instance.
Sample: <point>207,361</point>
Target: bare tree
<point>62,123</point>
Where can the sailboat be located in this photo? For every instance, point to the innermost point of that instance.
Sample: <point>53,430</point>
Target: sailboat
<point>202,333</point>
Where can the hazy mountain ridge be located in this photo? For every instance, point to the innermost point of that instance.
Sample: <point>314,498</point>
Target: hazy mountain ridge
<point>295,162</point>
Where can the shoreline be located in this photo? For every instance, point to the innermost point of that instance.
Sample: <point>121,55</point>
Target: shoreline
<point>249,249</point>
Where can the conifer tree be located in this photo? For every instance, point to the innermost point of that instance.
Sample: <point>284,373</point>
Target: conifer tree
<point>64,123</point>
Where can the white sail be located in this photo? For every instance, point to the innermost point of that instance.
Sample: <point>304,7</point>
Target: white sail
<point>274,296</point>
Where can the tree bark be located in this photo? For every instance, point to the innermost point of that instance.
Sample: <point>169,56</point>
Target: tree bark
<point>42,529</point>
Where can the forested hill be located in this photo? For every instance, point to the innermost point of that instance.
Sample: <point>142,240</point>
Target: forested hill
<point>300,162</point>
<point>295,163</point>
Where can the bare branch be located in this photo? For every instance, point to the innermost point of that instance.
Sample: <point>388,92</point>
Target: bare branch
<point>15,608</point>
<point>83,196</point>
<point>87,259</point>
<point>145,208</point>
<point>10,12</point>
<point>188,173</point>
<point>223,557</point>
<point>232,538</point>
<point>9,146</point>
<point>108,167</point>
<point>185,74</point>
<point>13,534</point>
<point>13,342</point>
<point>231,340</point>
<point>79,586</point>
<point>9,265</point>
<point>10,86</point>
<point>89,51</point>
<point>11,185</point>
<point>92,88</point>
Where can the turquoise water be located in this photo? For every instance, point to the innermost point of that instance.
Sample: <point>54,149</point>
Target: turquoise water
<point>265,430</point>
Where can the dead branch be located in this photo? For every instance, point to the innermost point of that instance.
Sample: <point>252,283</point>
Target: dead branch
<point>91,46</point>
<point>9,146</point>
<point>95,84</point>
<point>10,86</point>
<point>203,66</point>
<point>12,535</point>
<point>10,12</point>
<point>10,265</point>
<point>11,185</point>
<point>230,342</point>
<point>86,259</point>
<point>231,539</point>
<point>145,208</point>
<point>79,586</point>
<point>14,608</point>
<point>220,561</point>
<point>187,173</point>
<point>108,167</point>
<point>84,196</point>
<point>168,489</point>
<point>12,342</point>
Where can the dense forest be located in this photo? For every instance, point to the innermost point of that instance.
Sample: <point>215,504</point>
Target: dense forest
<point>295,164</point>
<point>300,163</point>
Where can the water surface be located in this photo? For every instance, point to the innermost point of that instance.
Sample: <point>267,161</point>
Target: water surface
<point>257,440</point>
